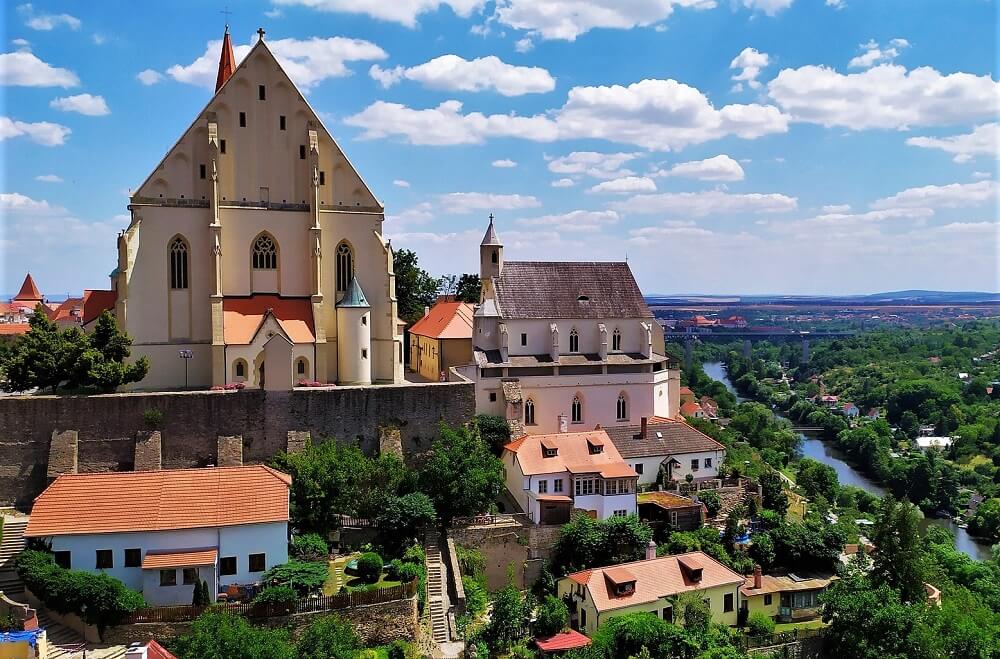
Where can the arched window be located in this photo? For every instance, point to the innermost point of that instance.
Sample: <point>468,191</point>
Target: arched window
<point>345,267</point>
<point>576,411</point>
<point>265,253</point>
<point>300,367</point>
<point>178,264</point>
<point>239,369</point>
<point>622,407</point>
<point>574,341</point>
<point>616,340</point>
<point>529,412</point>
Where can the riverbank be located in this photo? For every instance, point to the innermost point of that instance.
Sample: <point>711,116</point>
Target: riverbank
<point>828,454</point>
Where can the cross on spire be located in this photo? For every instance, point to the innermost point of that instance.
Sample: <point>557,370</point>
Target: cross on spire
<point>260,34</point>
<point>491,218</point>
<point>225,12</point>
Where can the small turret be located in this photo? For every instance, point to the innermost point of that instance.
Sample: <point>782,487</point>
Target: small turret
<point>354,358</point>
<point>490,261</point>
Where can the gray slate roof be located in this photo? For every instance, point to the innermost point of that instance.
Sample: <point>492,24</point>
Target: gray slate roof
<point>676,438</point>
<point>540,289</point>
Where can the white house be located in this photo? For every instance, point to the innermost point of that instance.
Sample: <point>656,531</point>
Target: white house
<point>566,344</point>
<point>161,531</point>
<point>939,443</point>
<point>671,446</point>
<point>551,475</point>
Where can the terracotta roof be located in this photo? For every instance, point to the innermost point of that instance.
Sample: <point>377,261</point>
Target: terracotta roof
<point>581,578</point>
<point>96,302</point>
<point>242,317</point>
<point>29,292</point>
<point>657,578</point>
<point>192,558</point>
<point>227,61</point>
<point>565,640</point>
<point>663,437</point>
<point>572,455</point>
<point>446,320</point>
<point>156,651</point>
<point>7,329</point>
<point>64,311</point>
<point>690,409</point>
<point>534,289</point>
<point>783,584</point>
<point>128,501</point>
<point>686,390</point>
<point>665,500</point>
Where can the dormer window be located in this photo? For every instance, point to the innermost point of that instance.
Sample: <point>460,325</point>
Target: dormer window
<point>595,447</point>
<point>583,298</point>
<point>625,588</point>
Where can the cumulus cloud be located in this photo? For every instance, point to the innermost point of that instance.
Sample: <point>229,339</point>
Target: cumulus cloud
<point>49,178</point>
<point>87,104</point>
<point>873,54</point>
<point>454,73</point>
<point>592,163</point>
<point>718,168</point>
<point>400,183</point>
<point>506,163</point>
<point>982,141</point>
<point>578,220</point>
<point>749,64</point>
<point>306,61</point>
<point>954,195</point>
<point>404,12</point>
<point>885,96</point>
<point>769,7</point>
<point>40,132</point>
<point>461,203</point>
<point>23,69</point>
<point>524,45</point>
<point>710,202</point>
<point>836,4</point>
<point>46,22</point>
<point>836,208</point>
<point>982,175</point>
<point>149,77</point>
<point>624,185</point>
<point>562,183</point>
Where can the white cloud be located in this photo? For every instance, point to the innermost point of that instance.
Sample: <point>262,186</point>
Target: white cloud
<point>454,73</point>
<point>40,132</point>
<point>836,208</point>
<point>461,203</point>
<point>749,64</point>
<point>306,61</point>
<point>769,7</point>
<point>982,175</point>
<point>562,183</point>
<point>98,39</point>
<point>954,195</point>
<point>149,77</point>
<point>87,104</point>
<point>273,13</point>
<point>21,44</point>
<point>717,168</point>
<point>400,183</point>
<point>885,96</point>
<point>592,163</point>
<point>578,220</point>
<point>49,178</point>
<point>524,45</point>
<point>983,140</point>
<point>624,185</point>
<point>23,69</point>
<point>506,163</point>
<point>710,202</point>
<point>873,54</point>
<point>836,4</point>
<point>404,12</point>
<point>568,19</point>
<point>46,22</point>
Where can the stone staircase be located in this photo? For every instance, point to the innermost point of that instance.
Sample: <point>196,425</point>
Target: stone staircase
<point>730,500</point>
<point>64,643</point>
<point>437,593</point>
<point>13,544</point>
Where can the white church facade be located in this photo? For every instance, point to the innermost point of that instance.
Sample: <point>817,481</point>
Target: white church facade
<point>256,248</point>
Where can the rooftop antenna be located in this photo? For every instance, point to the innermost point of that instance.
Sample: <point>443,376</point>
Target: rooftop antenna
<point>226,13</point>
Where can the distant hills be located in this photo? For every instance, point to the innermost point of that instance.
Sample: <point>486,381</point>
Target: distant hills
<point>909,297</point>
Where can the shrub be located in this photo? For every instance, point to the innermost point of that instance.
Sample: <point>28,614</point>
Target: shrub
<point>553,616</point>
<point>760,624</point>
<point>304,577</point>
<point>228,635</point>
<point>397,570</point>
<point>476,596</point>
<point>153,418</point>
<point>310,547</point>
<point>402,650</point>
<point>712,501</point>
<point>369,567</point>
<point>329,638</point>
<point>282,597</point>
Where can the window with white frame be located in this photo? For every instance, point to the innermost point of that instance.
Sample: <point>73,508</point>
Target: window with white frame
<point>543,486</point>
<point>557,485</point>
<point>621,513</point>
<point>178,264</point>
<point>574,340</point>
<point>584,486</point>
<point>529,412</point>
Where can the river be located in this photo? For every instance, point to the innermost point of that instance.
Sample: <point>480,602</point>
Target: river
<point>828,454</point>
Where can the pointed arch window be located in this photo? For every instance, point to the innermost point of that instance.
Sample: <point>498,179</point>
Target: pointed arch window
<point>576,410</point>
<point>616,340</point>
<point>178,264</point>
<point>345,267</point>
<point>529,412</point>
<point>574,340</point>
<point>265,253</point>
<point>621,409</point>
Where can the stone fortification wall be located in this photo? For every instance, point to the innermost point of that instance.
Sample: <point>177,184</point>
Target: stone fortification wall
<point>43,436</point>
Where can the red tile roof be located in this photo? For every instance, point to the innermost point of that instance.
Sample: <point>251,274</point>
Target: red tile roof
<point>29,292</point>
<point>64,310</point>
<point>156,651</point>
<point>13,329</point>
<point>128,501</point>
<point>446,320</point>
<point>567,640</point>
<point>242,317</point>
<point>97,302</point>
<point>690,409</point>
<point>227,62</point>
<point>194,558</point>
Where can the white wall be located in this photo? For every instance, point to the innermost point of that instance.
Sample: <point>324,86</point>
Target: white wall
<point>606,505</point>
<point>539,334</point>
<point>180,593</point>
<point>680,473</point>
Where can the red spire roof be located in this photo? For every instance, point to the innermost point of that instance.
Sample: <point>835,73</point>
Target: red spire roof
<point>227,61</point>
<point>28,292</point>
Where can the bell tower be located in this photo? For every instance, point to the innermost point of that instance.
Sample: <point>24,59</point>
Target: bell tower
<point>490,261</point>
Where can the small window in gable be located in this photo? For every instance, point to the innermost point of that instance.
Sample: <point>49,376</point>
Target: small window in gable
<point>261,93</point>
<point>243,119</point>
<point>222,146</point>
<point>281,122</point>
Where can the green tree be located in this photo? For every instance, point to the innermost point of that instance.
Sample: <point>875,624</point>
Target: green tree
<point>867,622</point>
<point>302,576</point>
<point>509,618</point>
<point>773,495</point>
<point>415,288</point>
<point>585,542</point>
<point>986,521</point>
<point>229,636</point>
<point>461,475</point>
<point>309,547</point>
<point>641,634</point>
<point>329,638</point>
<point>494,431</point>
<point>898,559</point>
<point>369,567</point>
<point>817,479</point>
<point>407,514</point>
<point>468,289</point>
<point>760,624</point>
<point>552,617</point>
<point>36,358</point>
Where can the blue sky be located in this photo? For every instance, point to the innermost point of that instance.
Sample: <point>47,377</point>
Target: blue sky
<point>722,146</point>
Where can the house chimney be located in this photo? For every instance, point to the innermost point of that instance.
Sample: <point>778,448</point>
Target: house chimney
<point>563,426</point>
<point>427,310</point>
<point>642,427</point>
<point>651,550</point>
<point>756,577</point>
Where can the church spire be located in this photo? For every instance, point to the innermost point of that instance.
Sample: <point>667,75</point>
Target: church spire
<point>227,61</point>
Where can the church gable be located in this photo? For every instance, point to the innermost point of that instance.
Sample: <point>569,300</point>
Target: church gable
<point>265,143</point>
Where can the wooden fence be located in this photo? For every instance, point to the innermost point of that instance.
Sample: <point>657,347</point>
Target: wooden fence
<point>272,610</point>
<point>776,640</point>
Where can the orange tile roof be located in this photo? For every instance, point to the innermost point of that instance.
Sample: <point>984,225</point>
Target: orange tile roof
<point>227,62</point>
<point>573,455</point>
<point>690,409</point>
<point>64,310</point>
<point>565,640</point>
<point>8,329</point>
<point>156,651</point>
<point>783,584</point>
<point>193,558</point>
<point>446,320</point>
<point>127,501</point>
<point>97,302</point>
<point>686,390</point>
<point>29,292</point>
<point>656,578</point>
<point>242,317</point>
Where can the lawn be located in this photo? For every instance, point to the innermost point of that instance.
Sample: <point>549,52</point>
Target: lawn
<point>792,626</point>
<point>383,582</point>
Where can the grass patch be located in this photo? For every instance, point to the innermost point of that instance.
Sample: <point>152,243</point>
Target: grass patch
<point>383,582</point>
<point>792,626</point>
